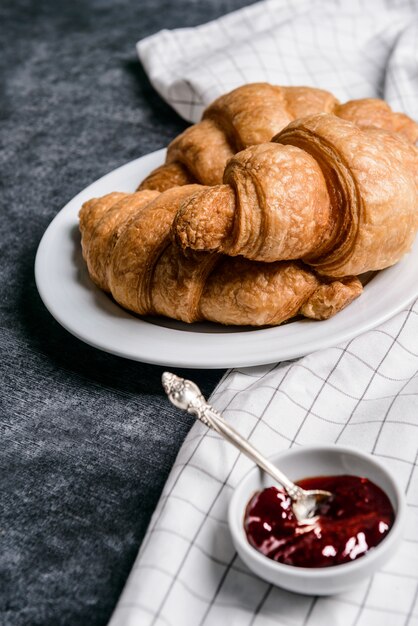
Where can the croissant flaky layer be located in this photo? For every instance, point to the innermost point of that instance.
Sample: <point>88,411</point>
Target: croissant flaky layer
<point>129,252</point>
<point>253,114</point>
<point>341,198</point>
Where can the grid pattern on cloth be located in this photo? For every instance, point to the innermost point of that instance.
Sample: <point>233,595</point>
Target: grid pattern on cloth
<point>356,49</point>
<point>363,393</point>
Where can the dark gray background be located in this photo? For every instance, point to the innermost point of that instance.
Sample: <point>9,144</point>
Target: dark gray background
<point>87,439</point>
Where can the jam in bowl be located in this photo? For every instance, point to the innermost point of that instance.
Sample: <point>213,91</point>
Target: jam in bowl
<point>353,521</point>
<point>353,534</point>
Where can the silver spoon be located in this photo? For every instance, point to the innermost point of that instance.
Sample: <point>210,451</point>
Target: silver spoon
<point>186,395</point>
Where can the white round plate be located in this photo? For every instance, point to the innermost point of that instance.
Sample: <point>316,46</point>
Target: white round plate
<point>91,315</point>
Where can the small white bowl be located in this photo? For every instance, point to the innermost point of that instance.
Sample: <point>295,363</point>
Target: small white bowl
<point>303,462</point>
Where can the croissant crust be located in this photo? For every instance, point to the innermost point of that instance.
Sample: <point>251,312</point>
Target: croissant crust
<point>281,227</point>
<point>253,114</point>
<point>130,253</point>
<point>341,198</point>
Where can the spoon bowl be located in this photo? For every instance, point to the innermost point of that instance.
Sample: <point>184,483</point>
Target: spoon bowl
<point>306,506</point>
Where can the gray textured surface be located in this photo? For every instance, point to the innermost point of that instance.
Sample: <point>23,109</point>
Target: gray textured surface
<point>87,439</point>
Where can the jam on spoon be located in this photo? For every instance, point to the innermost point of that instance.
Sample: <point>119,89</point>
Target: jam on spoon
<point>353,521</point>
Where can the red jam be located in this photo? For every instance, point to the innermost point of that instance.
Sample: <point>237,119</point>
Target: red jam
<point>354,520</point>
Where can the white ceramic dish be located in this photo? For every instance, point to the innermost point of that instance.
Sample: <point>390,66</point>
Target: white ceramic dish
<point>300,463</point>
<point>65,287</point>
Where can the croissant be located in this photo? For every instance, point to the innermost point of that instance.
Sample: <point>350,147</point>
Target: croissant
<point>129,252</point>
<point>253,114</point>
<point>341,198</point>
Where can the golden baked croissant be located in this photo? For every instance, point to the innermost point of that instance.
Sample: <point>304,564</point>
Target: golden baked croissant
<point>129,252</point>
<point>341,198</point>
<point>253,114</point>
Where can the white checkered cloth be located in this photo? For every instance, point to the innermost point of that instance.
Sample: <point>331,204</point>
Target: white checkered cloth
<point>363,393</point>
<point>354,48</point>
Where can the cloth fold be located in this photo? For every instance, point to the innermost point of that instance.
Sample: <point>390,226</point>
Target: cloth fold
<point>363,393</point>
<point>355,49</point>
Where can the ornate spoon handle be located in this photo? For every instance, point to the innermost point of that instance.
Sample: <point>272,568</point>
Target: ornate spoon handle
<point>186,395</point>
